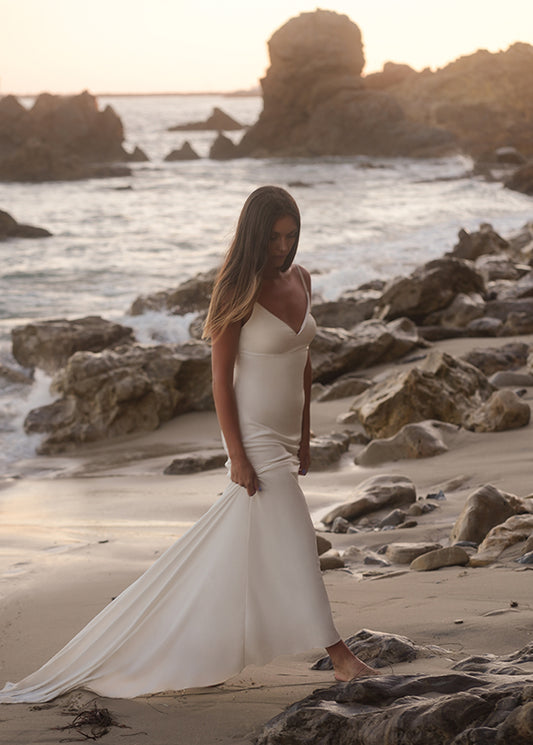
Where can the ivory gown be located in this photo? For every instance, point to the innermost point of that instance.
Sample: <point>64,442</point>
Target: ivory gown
<point>243,585</point>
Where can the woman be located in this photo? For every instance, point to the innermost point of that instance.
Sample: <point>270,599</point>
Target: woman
<point>243,585</point>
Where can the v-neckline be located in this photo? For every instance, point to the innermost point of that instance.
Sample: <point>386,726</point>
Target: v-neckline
<point>296,333</point>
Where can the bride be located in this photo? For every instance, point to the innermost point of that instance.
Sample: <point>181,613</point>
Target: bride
<point>243,585</point>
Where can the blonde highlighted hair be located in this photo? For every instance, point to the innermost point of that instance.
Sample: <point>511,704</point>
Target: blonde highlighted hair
<point>239,280</point>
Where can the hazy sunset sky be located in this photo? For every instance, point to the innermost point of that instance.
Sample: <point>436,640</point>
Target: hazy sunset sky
<point>218,45</point>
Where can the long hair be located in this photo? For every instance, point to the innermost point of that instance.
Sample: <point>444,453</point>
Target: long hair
<point>239,280</point>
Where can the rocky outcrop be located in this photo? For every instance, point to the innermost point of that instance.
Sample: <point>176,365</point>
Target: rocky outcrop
<point>443,388</point>
<point>522,179</point>
<point>454,708</point>
<point>223,148</point>
<point>218,121</point>
<point>420,440</point>
<point>517,529</point>
<point>335,352</point>
<point>482,98</point>
<point>492,359</point>
<point>503,410</point>
<point>59,138</point>
<point>192,295</point>
<point>49,344</point>
<point>315,102</point>
<point>184,153</point>
<point>10,228</point>
<point>376,493</point>
<point>120,391</point>
<point>483,510</point>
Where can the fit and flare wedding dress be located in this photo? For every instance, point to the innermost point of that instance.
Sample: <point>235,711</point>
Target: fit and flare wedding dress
<point>243,585</point>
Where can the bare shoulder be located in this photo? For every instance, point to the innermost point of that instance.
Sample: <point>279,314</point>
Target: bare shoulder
<point>305,274</point>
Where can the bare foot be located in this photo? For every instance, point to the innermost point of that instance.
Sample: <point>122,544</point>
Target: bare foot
<point>357,670</point>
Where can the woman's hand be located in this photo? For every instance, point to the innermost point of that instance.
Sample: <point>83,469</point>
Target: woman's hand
<point>243,473</point>
<point>304,456</point>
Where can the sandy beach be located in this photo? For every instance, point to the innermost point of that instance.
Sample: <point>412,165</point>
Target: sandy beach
<point>75,530</point>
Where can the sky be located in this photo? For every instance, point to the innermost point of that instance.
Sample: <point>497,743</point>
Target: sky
<point>127,46</point>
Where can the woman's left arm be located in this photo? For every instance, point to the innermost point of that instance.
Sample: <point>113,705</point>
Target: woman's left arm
<point>304,455</point>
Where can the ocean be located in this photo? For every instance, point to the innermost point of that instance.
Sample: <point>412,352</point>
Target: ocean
<point>115,239</point>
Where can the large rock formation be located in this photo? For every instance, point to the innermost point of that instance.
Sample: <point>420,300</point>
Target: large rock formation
<point>120,391</point>
<point>10,228</point>
<point>484,99</point>
<point>59,138</point>
<point>315,101</point>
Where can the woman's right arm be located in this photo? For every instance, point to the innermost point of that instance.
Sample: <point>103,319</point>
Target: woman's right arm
<point>223,356</point>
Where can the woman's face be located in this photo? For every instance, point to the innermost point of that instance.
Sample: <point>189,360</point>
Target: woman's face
<point>281,242</point>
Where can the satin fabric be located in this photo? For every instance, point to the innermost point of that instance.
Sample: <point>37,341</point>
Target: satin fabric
<point>243,585</point>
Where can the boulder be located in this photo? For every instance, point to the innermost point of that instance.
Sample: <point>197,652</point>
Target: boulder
<point>479,243</point>
<point>335,352</point>
<point>184,153</point>
<point>49,344</point>
<point>190,296</point>
<point>350,309</point>
<point>522,180</point>
<point>441,709</point>
<point>60,137</point>
<point>120,391</point>
<point>347,385</point>
<point>507,378</point>
<point>405,553</point>
<point>460,312</point>
<point>485,508</point>
<point>420,440</point>
<point>331,560</point>
<point>223,148</point>
<point>491,359</point>
<point>515,529</point>
<point>443,388</point>
<point>315,102</point>
<point>500,267</point>
<point>503,410</point>
<point>429,288</point>
<point>327,449</point>
<point>376,493</point>
<point>218,121</point>
<point>10,228</point>
<point>322,545</point>
<point>196,462</point>
<point>441,557</point>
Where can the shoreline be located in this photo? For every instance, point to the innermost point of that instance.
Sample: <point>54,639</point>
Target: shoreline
<point>73,536</point>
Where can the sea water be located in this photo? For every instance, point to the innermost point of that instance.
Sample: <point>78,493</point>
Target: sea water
<point>117,238</point>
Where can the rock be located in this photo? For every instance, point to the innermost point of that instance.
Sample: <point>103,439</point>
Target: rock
<point>184,153</point>
<point>350,309</point>
<point>509,155</point>
<point>223,149</point>
<point>12,375</point>
<point>405,553</point>
<point>331,560</point>
<point>518,323</point>
<point>190,296</point>
<point>347,385</point>
<point>420,440</point>
<point>10,228</point>
<point>485,508</point>
<point>429,288</point>
<point>483,327</point>
<point>120,391</point>
<point>60,137</point>
<point>462,310</point>
<point>327,449</point>
<point>444,388</point>
<point>315,102</point>
<point>322,545</point>
<point>196,462</point>
<point>522,180</point>
<point>340,525</point>
<point>458,708</point>
<point>491,359</point>
<point>473,95</point>
<point>484,241</point>
<point>506,378</point>
<point>498,267</point>
<point>375,493</point>
<point>137,156</point>
<point>393,519</point>
<point>335,352</point>
<point>526,558</point>
<point>441,557</point>
<point>218,121</point>
<point>514,530</point>
<point>380,649</point>
<point>507,310</point>
<point>49,344</point>
<point>504,410</point>
<point>491,664</point>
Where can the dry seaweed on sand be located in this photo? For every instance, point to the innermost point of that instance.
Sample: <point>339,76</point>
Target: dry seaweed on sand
<point>91,722</point>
